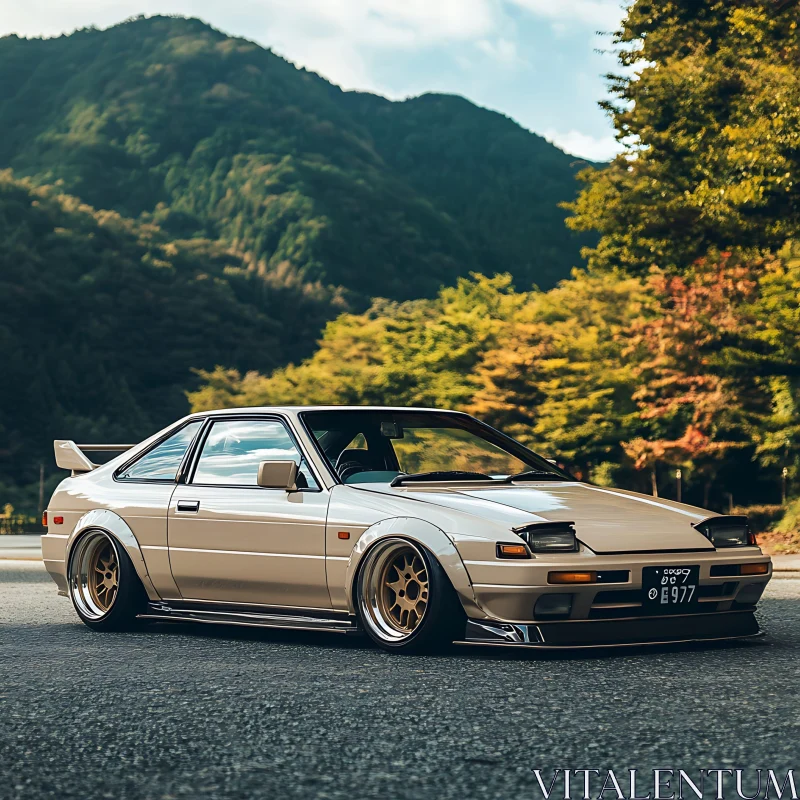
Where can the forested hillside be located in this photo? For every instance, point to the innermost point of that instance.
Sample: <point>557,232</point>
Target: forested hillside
<point>104,319</point>
<point>211,136</point>
<point>209,203</point>
<point>486,172</point>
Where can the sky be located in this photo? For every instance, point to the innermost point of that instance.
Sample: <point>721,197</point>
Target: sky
<point>541,62</point>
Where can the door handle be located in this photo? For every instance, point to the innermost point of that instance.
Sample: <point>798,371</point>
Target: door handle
<point>193,506</point>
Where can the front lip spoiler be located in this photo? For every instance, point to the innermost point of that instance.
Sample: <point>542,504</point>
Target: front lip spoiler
<point>591,634</point>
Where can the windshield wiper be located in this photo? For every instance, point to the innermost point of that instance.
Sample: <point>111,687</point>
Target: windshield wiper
<point>534,475</point>
<point>452,475</point>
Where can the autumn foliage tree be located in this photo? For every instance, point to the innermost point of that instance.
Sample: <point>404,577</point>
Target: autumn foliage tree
<point>694,407</point>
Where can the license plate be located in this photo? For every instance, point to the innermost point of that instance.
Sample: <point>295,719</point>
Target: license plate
<point>670,588</point>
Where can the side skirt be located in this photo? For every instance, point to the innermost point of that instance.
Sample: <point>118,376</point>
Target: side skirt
<point>297,620</point>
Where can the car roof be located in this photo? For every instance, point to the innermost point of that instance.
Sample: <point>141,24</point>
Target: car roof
<point>299,409</point>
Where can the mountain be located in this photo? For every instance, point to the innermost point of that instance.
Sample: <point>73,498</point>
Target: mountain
<point>170,120</point>
<point>175,198</point>
<point>499,182</point>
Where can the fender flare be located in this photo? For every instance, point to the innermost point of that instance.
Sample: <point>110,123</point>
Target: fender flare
<point>101,519</point>
<point>429,536</point>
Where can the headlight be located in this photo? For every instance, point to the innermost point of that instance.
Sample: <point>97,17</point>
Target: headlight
<point>727,531</point>
<point>549,537</point>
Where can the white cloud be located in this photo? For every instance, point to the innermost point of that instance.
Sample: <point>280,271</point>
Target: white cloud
<point>594,148</point>
<point>502,50</point>
<point>376,23</point>
<point>336,38</point>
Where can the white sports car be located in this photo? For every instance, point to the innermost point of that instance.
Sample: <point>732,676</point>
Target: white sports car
<point>418,527</point>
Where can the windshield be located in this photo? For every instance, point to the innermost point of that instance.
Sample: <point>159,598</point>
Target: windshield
<point>406,446</point>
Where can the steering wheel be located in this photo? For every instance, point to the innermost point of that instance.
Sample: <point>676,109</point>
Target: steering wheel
<point>346,469</point>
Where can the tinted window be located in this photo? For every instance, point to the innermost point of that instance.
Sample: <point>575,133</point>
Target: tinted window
<point>233,450</point>
<point>162,462</point>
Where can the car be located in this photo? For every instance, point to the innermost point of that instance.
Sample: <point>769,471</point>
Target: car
<point>416,527</point>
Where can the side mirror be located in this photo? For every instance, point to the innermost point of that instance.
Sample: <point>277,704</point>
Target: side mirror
<point>278,475</point>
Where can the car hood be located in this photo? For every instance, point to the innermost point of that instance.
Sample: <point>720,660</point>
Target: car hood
<point>606,520</point>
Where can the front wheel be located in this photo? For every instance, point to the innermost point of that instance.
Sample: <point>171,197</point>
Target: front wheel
<point>103,584</point>
<point>404,599</point>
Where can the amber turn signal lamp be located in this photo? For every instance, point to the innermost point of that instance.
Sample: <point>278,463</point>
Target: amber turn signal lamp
<point>754,569</point>
<point>44,519</point>
<point>572,577</point>
<point>344,534</point>
<point>512,551</point>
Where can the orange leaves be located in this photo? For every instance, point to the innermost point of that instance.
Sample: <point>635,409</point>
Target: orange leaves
<point>689,400</point>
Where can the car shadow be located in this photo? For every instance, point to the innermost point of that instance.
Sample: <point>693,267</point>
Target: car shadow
<point>227,632</point>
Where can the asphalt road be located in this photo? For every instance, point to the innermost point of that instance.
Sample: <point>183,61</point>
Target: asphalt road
<point>206,712</point>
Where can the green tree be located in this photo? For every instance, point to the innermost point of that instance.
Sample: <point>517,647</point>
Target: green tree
<point>415,353</point>
<point>707,103</point>
<point>561,376</point>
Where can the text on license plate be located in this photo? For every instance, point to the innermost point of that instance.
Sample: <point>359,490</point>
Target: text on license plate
<point>670,586</point>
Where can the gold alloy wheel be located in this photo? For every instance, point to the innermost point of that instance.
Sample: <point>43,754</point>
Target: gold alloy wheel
<point>404,595</point>
<point>394,590</point>
<point>94,574</point>
<point>103,575</point>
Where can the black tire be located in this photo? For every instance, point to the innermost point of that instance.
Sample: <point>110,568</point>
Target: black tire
<point>113,603</point>
<point>440,622</point>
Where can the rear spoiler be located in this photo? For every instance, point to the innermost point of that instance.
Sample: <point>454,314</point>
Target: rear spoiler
<point>72,456</point>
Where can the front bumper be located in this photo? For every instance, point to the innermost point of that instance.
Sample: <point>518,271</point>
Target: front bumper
<point>509,591</point>
<point>651,630</point>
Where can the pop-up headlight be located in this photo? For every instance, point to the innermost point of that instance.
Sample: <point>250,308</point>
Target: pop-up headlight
<point>549,537</point>
<point>729,531</point>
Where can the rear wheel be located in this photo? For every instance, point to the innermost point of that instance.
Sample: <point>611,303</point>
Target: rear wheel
<point>103,583</point>
<point>405,601</point>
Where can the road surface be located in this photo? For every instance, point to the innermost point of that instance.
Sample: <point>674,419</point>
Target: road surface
<point>205,712</point>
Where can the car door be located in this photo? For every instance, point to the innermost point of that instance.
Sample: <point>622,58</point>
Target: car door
<point>142,495</point>
<point>233,541</point>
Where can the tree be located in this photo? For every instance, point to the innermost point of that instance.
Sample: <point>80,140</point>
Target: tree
<point>770,353</point>
<point>697,409</point>
<point>415,353</point>
<point>708,106</point>
<point>558,378</point>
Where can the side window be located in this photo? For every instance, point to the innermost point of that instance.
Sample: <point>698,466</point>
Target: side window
<point>234,448</point>
<point>162,462</point>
